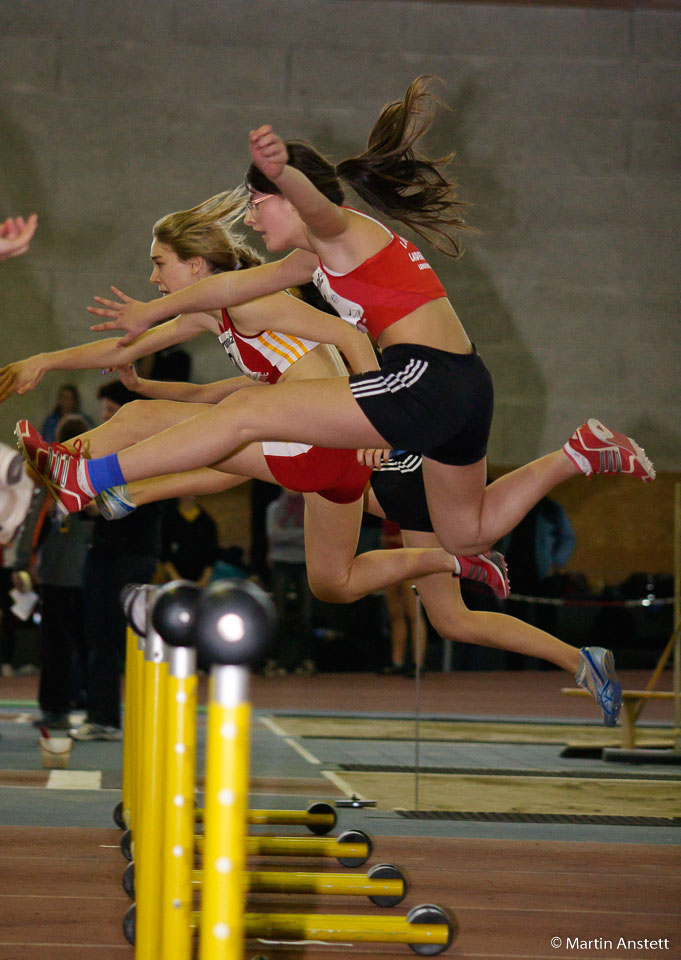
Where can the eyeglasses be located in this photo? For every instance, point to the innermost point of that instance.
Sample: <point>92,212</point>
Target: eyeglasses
<point>253,203</point>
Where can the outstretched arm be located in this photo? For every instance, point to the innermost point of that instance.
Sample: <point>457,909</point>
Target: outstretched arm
<point>16,235</point>
<point>180,390</point>
<point>287,314</point>
<point>211,293</point>
<point>24,375</point>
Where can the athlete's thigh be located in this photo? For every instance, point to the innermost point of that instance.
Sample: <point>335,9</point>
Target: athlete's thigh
<point>331,536</point>
<point>157,415</point>
<point>200,482</point>
<point>247,461</point>
<point>321,412</point>
<point>454,495</point>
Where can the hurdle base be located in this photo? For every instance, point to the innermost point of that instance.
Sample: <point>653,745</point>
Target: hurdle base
<point>355,803</point>
<point>583,752</point>
<point>666,755</point>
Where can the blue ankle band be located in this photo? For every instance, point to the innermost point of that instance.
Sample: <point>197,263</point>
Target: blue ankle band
<point>105,472</point>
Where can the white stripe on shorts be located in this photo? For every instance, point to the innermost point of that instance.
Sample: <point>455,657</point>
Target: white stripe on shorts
<point>390,382</point>
<point>405,464</point>
<point>280,448</point>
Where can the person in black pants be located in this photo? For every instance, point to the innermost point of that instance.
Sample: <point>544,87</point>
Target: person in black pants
<point>51,553</point>
<point>126,551</point>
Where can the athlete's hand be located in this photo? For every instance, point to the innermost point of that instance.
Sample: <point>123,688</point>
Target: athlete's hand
<point>16,235</point>
<point>20,377</point>
<point>128,377</point>
<point>125,314</point>
<point>373,458</point>
<point>268,151</point>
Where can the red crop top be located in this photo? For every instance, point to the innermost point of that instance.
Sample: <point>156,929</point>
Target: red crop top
<point>383,289</point>
<point>264,356</point>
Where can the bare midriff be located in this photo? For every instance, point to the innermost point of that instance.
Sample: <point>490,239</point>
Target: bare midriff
<point>433,324</point>
<point>321,362</point>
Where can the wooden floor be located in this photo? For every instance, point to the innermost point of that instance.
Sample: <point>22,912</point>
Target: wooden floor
<point>60,887</point>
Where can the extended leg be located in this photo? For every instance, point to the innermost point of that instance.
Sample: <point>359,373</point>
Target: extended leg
<point>469,516</point>
<point>336,575</point>
<point>135,421</point>
<point>196,483</point>
<point>452,620</point>
<point>331,418</point>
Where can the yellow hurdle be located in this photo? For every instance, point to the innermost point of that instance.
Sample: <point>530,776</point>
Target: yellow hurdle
<point>224,849</point>
<point>352,848</point>
<point>383,884</point>
<point>129,724</point>
<point>178,815</point>
<point>427,928</point>
<point>362,929</point>
<point>319,818</point>
<point>233,621</point>
<point>149,826</point>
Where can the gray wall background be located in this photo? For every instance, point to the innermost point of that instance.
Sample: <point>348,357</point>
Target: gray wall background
<point>566,125</point>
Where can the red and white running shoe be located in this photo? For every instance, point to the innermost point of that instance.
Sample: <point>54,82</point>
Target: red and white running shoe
<point>594,448</point>
<point>64,472</point>
<point>32,447</point>
<point>488,568</point>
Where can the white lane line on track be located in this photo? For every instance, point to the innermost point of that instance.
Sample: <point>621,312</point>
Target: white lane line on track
<point>291,741</point>
<point>74,780</point>
<point>305,754</point>
<point>273,726</point>
<point>341,784</point>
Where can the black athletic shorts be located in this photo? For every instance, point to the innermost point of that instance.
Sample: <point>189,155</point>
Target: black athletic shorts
<point>399,489</point>
<point>429,401</point>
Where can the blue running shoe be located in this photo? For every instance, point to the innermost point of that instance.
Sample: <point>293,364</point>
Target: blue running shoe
<point>596,673</point>
<point>115,503</point>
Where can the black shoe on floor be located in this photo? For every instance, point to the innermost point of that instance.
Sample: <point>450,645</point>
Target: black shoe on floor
<point>53,721</point>
<point>393,670</point>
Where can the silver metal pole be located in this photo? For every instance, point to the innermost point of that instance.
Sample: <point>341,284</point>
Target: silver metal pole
<point>417,709</point>
<point>677,618</point>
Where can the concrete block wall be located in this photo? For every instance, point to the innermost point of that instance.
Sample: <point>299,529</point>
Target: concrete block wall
<point>565,121</point>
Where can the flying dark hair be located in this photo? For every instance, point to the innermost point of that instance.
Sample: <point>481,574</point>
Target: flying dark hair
<point>390,175</point>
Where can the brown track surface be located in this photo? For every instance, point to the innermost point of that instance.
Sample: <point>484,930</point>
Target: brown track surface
<point>61,895</point>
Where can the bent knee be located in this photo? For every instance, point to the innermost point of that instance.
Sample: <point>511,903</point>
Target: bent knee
<point>329,589</point>
<point>132,410</point>
<point>459,627</point>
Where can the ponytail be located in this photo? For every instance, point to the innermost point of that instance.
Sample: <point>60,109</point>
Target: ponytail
<point>390,175</point>
<point>396,180</point>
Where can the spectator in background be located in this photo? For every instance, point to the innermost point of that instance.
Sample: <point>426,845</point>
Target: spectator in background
<point>189,541</point>
<point>539,547</point>
<point>68,402</point>
<point>8,623</point>
<point>400,600</point>
<point>536,551</point>
<point>230,564</point>
<point>51,551</point>
<point>172,363</point>
<point>126,551</point>
<point>285,520</point>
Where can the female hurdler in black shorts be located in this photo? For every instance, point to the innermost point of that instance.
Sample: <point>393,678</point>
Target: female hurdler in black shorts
<point>432,395</point>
